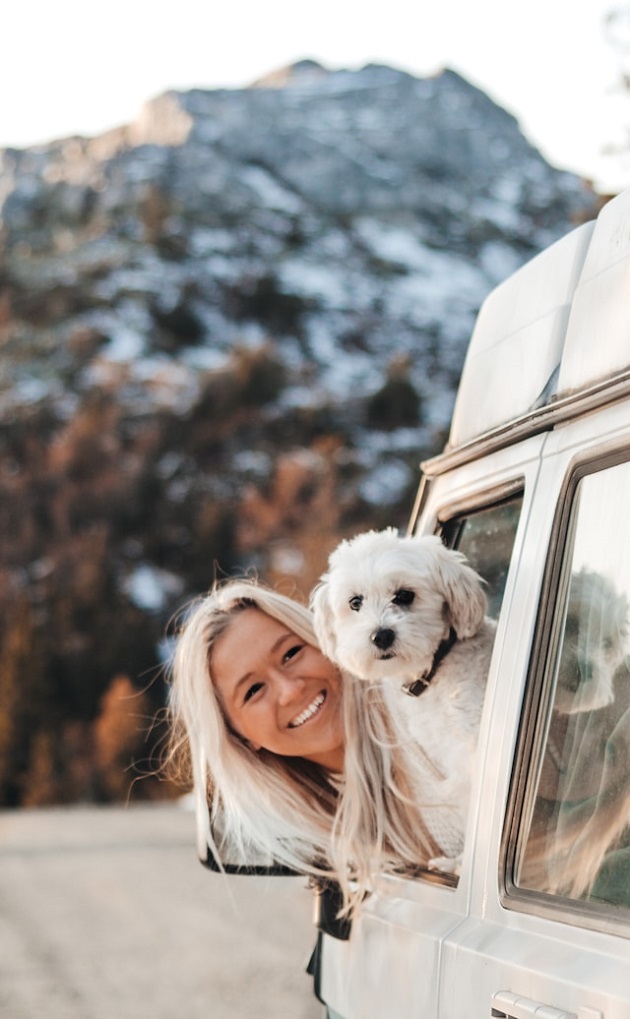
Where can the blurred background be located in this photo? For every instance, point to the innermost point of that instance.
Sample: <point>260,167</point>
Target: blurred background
<point>241,256</point>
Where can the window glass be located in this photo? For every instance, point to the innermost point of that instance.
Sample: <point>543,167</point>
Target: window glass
<point>486,538</point>
<point>576,838</point>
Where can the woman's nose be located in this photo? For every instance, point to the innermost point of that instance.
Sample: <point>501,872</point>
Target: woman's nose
<point>288,688</point>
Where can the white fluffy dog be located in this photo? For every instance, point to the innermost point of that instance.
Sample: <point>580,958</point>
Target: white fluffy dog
<point>410,613</point>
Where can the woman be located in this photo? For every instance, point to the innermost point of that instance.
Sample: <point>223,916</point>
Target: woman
<point>292,763</point>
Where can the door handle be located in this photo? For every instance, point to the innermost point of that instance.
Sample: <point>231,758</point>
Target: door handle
<point>507,1005</point>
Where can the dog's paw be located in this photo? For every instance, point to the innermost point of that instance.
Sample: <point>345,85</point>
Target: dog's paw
<point>447,864</point>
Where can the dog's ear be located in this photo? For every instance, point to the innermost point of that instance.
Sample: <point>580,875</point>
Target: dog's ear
<point>462,589</point>
<point>323,619</point>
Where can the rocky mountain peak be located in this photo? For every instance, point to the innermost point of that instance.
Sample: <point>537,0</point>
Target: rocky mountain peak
<point>300,72</point>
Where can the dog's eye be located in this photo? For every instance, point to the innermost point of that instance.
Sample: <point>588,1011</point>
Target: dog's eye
<point>403,597</point>
<point>356,602</point>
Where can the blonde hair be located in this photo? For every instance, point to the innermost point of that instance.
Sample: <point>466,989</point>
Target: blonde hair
<point>258,807</point>
<point>378,825</point>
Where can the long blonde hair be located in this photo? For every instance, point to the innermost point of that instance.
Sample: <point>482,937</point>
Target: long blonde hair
<point>378,825</point>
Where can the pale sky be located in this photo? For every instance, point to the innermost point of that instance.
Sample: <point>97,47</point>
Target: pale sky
<point>69,67</point>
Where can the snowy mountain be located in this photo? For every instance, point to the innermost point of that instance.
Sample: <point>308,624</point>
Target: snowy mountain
<point>230,330</point>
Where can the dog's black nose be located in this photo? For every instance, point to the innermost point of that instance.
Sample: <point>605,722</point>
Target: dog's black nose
<point>383,639</point>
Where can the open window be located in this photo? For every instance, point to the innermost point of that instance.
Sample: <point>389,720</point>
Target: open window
<point>484,530</point>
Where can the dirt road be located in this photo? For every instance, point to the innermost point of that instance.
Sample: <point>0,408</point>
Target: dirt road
<point>105,913</point>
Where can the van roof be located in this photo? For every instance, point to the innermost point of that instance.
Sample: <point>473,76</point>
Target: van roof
<point>556,327</point>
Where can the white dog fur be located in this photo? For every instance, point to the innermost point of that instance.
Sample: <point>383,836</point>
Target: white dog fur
<point>381,612</point>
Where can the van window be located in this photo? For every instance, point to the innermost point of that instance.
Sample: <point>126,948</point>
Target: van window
<point>486,537</point>
<point>574,836</point>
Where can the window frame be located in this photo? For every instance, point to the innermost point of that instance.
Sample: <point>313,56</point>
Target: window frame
<point>536,710</point>
<point>477,502</point>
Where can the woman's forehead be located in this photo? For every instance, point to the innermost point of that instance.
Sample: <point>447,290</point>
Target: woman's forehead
<point>250,636</point>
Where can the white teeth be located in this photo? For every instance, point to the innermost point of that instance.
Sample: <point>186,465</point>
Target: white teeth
<point>308,712</point>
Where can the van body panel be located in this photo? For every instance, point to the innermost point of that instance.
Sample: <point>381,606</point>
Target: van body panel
<point>391,964</point>
<point>536,961</point>
<point>598,337</point>
<point>540,335</point>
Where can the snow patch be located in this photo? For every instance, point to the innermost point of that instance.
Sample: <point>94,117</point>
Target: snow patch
<point>270,192</point>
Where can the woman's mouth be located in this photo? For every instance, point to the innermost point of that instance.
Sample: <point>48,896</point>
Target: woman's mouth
<point>308,712</point>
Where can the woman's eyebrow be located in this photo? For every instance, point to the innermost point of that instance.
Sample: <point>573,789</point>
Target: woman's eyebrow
<point>272,650</point>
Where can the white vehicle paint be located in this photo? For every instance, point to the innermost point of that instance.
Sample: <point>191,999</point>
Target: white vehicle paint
<point>538,459</point>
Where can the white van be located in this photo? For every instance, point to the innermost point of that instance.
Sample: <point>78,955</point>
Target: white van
<point>534,487</point>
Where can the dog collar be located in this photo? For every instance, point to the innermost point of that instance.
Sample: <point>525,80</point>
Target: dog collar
<point>420,685</point>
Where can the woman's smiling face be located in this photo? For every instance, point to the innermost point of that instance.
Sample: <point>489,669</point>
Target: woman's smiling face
<point>277,691</point>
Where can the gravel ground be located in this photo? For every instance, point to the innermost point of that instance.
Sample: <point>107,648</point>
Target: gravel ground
<point>105,913</point>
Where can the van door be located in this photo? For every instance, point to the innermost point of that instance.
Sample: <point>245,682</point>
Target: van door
<point>549,927</point>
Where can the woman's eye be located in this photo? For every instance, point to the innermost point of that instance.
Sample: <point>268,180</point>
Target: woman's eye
<point>292,652</point>
<point>251,691</point>
<point>403,597</point>
<point>356,602</point>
